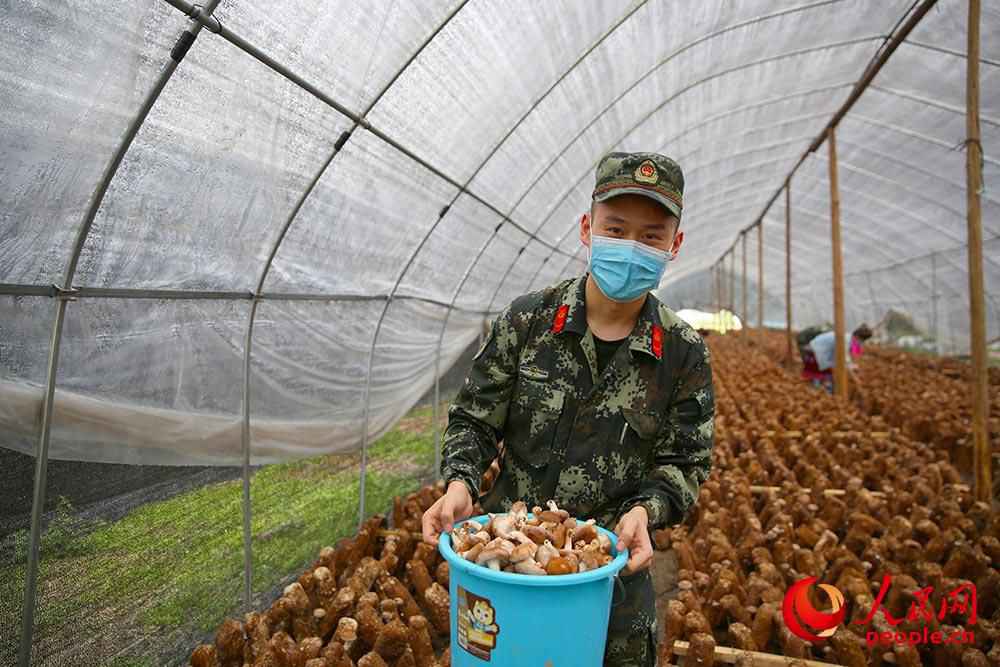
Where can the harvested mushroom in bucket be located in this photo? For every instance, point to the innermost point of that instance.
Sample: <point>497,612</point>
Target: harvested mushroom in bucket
<point>545,542</point>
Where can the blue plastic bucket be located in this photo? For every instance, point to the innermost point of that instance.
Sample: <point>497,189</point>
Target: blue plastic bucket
<point>522,620</point>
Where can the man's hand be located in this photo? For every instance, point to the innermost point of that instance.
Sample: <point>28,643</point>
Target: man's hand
<point>633,534</point>
<point>454,505</point>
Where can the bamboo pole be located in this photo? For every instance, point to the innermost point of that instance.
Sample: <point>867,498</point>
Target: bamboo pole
<point>727,655</point>
<point>743,312</point>
<point>977,304</point>
<point>788,269</point>
<point>840,366</point>
<point>760,279</point>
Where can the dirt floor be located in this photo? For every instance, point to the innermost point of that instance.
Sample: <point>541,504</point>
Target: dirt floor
<point>664,571</point>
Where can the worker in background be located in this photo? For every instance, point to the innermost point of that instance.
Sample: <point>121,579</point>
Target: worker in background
<point>819,359</point>
<point>601,395</point>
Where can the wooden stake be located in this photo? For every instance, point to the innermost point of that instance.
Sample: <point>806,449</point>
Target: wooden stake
<point>977,304</point>
<point>840,366</point>
<point>728,655</point>
<point>760,278</point>
<point>788,268</point>
<point>743,312</point>
<point>829,493</point>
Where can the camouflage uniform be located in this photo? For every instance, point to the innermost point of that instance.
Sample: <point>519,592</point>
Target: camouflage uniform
<point>641,433</point>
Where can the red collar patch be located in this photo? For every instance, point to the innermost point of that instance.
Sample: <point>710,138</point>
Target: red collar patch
<point>657,342</point>
<point>559,321</point>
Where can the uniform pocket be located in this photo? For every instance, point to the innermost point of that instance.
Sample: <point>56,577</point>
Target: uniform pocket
<point>531,428</point>
<point>630,455</point>
<point>645,425</point>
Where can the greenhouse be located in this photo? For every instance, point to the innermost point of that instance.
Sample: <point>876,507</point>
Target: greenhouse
<point>264,268</point>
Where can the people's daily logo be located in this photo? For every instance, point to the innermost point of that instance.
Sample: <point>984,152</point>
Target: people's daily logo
<point>798,610</point>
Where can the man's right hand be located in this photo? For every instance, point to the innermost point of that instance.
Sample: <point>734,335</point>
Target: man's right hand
<point>454,505</point>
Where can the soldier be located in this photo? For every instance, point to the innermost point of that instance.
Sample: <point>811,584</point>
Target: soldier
<point>601,395</point>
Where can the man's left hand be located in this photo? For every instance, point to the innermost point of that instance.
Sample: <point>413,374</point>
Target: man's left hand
<point>633,534</point>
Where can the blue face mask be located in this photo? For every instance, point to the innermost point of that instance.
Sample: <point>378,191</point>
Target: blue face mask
<point>625,270</point>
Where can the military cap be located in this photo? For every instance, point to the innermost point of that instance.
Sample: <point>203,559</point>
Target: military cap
<point>650,174</point>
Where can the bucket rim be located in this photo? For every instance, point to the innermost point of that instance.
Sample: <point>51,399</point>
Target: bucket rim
<point>466,567</point>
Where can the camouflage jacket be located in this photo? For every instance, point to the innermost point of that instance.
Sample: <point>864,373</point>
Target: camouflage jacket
<point>641,433</point>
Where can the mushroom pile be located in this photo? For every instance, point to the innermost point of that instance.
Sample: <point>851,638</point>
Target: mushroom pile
<point>806,485</point>
<point>377,599</point>
<point>546,542</point>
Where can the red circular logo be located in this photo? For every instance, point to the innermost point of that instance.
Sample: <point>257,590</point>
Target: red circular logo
<point>647,169</point>
<point>797,606</point>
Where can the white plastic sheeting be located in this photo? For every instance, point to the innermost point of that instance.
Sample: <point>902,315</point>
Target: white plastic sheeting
<point>498,111</point>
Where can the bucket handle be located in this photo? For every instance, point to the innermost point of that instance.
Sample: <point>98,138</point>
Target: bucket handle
<point>618,595</point>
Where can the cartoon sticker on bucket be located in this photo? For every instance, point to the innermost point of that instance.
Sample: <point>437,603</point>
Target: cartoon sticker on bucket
<point>477,624</point>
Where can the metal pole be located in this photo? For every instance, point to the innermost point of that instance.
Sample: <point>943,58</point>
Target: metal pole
<point>732,280</point>
<point>434,414</point>
<point>840,367</point>
<point>600,40</point>
<point>714,294</point>
<point>359,121</point>
<point>554,248</point>
<point>245,447</point>
<point>180,49</point>
<point>743,313</point>
<point>871,298</point>
<point>760,278</point>
<point>977,304</point>
<point>38,501</point>
<point>934,304</point>
<point>788,269</point>
<point>283,71</point>
<point>873,68</point>
<point>666,101</point>
<point>722,285</point>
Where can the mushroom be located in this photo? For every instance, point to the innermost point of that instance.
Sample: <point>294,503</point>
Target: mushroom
<point>347,630</point>
<point>529,566</point>
<point>495,554</point>
<point>524,551</point>
<point>604,541</point>
<point>559,536</point>
<point>571,558</point>
<point>536,534</point>
<point>504,525</point>
<point>585,532</point>
<point>590,560</point>
<point>558,565</point>
<point>553,513</point>
<point>460,537</point>
<point>546,552</point>
<point>522,558</point>
<point>520,538</point>
<point>481,537</point>
<point>473,553</point>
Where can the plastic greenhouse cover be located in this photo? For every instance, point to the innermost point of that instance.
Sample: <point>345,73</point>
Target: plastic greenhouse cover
<point>461,189</point>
